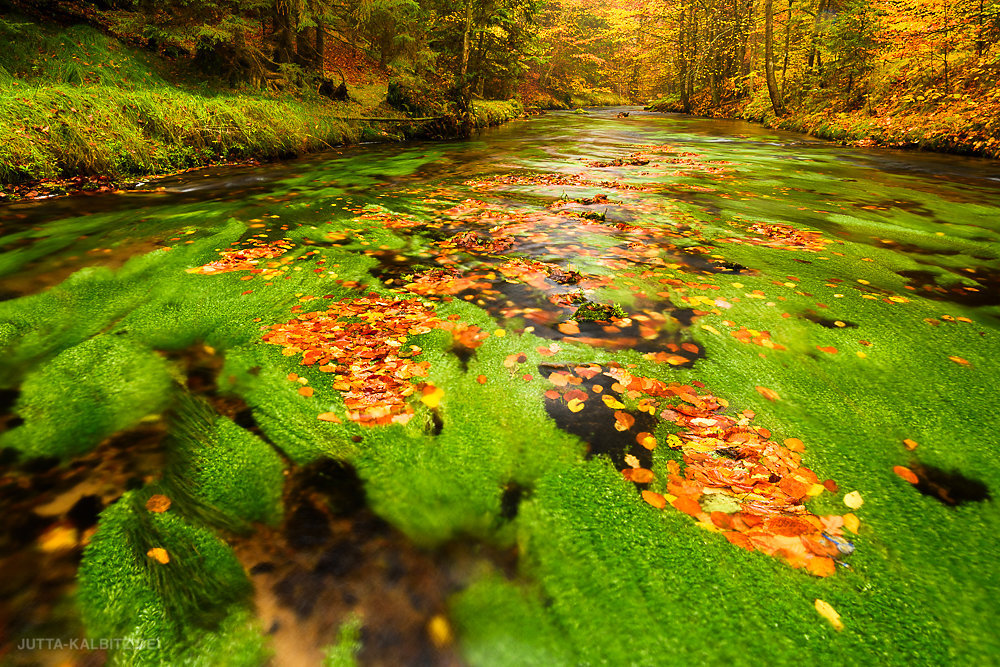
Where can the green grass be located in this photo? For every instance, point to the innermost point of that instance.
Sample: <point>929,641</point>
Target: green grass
<point>75,101</point>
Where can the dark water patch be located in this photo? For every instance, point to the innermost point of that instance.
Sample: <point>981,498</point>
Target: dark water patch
<point>985,293</point>
<point>951,487</point>
<point>437,425</point>
<point>510,499</point>
<point>333,559</point>
<point>913,249</point>
<point>49,512</point>
<point>595,424</point>
<point>8,418</point>
<point>827,322</point>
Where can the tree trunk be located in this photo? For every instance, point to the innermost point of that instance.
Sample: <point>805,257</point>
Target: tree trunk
<point>466,47</point>
<point>284,48</point>
<point>305,48</point>
<point>814,56</point>
<point>788,36</point>
<point>772,84</point>
<point>321,46</point>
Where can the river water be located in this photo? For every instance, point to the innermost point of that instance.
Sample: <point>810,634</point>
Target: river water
<point>849,298</point>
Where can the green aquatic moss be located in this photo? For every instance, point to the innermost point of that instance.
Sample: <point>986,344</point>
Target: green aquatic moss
<point>77,399</point>
<point>225,466</point>
<point>602,577</point>
<point>192,604</point>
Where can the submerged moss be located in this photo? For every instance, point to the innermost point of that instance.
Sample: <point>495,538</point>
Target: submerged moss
<point>85,393</point>
<point>193,603</point>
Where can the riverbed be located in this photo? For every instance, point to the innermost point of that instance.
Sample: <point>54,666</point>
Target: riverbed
<point>584,388</point>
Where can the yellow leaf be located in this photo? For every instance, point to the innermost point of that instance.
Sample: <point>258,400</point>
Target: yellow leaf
<point>852,523</point>
<point>829,613</point>
<point>853,500</point>
<point>440,631</point>
<point>612,402</point>
<point>432,399</point>
<point>575,405</point>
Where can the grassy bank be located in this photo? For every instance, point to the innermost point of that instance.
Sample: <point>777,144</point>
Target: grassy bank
<point>76,102</point>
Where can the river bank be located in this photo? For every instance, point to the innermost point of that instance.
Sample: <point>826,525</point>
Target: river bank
<point>81,110</point>
<point>966,124</point>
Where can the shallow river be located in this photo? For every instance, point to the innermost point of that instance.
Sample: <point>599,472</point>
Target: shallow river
<point>581,389</point>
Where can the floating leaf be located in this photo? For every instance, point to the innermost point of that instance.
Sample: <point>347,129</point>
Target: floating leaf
<point>829,613</point>
<point>158,503</point>
<point>769,394</point>
<point>159,554</point>
<point>853,500</point>
<point>646,440</point>
<point>654,499</point>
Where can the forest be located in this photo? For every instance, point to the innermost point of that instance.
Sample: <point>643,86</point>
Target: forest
<point>902,73</point>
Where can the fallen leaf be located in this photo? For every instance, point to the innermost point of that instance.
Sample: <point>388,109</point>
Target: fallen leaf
<point>158,503</point>
<point>829,613</point>
<point>853,500</point>
<point>654,499</point>
<point>159,554</point>
<point>821,566</point>
<point>440,632</point>
<point>906,474</point>
<point>642,475</point>
<point>909,444</point>
<point>769,394</point>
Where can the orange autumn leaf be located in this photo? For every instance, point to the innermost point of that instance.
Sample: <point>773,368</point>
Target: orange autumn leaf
<point>159,554</point>
<point>646,440</point>
<point>688,505</point>
<point>328,417</point>
<point>642,475</point>
<point>910,444</point>
<point>158,503</point>
<point>654,499</point>
<point>961,361</point>
<point>306,391</point>
<point>828,349</point>
<point>793,487</point>
<point>769,394</point>
<point>481,379</point>
<point>559,379</point>
<point>787,526</point>
<point>739,539</point>
<point>569,328</point>
<point>821,566</point>
<point>623,421</point>
<point>906,474</point>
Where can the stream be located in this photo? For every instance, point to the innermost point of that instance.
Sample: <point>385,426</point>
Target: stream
<point>562,275</point>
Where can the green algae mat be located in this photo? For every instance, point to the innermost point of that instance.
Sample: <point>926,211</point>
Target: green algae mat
<point>582,390</point>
